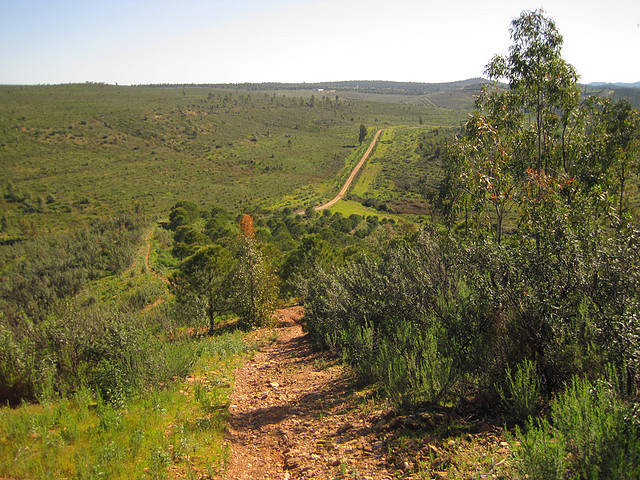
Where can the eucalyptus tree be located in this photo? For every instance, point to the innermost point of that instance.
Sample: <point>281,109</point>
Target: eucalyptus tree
<point>543,84</point>
<point>514,130</point>
<point>622,151</point>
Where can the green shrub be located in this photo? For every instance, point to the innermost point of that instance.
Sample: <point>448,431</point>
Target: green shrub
<point>358,350</point>
<point>106,349</point>
<point>42,272</point>
<point>412,367</point>
<point>16,360</point>
<point>401,319</point>
<point>590,436</point>
<point>541,453</point>
<point>523,391</point>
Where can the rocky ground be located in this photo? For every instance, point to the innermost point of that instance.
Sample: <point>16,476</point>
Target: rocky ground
<point>295,413</point>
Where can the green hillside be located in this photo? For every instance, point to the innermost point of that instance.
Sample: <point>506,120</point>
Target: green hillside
<point>91,148</point>
<point>475,291</point>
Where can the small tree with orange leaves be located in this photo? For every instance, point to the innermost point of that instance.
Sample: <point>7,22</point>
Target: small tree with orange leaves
<point>246,227</point>
<point>255,282</point>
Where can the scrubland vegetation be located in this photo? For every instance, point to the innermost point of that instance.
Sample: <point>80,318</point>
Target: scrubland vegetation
<point>496,258</point>
<point>536,313</point>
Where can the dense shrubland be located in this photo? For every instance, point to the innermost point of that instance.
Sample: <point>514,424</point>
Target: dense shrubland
<point>60,335</point>
<point>63,145</point>
<point>54,342</point>
<point>481,309</point>
<point>527,292</point>
<point>242,264</point>
<point>39,272</point>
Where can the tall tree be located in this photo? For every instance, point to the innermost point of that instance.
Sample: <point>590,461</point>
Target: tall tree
<point>362,134</point>
<point>514,131</point>
<point>622,135</point>
<point>543,83</point>
<point>255,283</point>
<point>202,283</point>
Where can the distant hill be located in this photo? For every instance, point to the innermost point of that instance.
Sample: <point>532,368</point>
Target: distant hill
<point>630,92</point>
<point>449,95</point>
<point>619,84</point>
<point>362,86</point>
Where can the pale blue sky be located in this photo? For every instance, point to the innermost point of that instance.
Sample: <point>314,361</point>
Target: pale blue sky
<point>220,41</point>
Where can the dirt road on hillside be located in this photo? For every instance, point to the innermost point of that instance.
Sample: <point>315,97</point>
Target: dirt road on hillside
<point>354,172</point>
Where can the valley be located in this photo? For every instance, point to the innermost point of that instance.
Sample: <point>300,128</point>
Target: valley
<point>367,279</point>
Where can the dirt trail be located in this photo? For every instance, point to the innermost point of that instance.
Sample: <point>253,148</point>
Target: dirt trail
<point>294,414</point>
<point>354,172</point>
<point>148,268</point>
<point>147,264</point>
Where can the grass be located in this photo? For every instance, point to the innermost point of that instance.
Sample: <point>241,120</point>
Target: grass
<point>366,178</point>
<point>172,429</point>
<point>451,447</point>
<point>177,429</point>
<point>76,151</point>
<point>349,207</point>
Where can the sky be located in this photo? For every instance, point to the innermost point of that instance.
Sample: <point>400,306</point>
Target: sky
<point>233,41</point>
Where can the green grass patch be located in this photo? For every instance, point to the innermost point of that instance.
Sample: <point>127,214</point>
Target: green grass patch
<point>172,430</point>
<point>349,207</point>
<point>366,179</point>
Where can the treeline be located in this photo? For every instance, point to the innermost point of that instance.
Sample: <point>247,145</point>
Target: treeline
<point>369,86</point>
<point>632,95</point>
<point>535,312</point>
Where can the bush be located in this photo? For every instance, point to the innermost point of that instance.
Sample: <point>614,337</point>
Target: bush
<point>541,453</point>
<point>107,350</point>
<point>16,365</point>
<point>570,307</point>
<point>523,391</point>
<point>412,367</point>
<point>401,319</point>
<point>590,436</point>
<point>40,273</point>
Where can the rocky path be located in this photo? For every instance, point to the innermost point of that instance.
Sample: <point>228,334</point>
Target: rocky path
<point>294,414</point>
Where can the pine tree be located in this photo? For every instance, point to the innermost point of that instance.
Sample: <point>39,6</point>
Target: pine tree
<point>363,134</point>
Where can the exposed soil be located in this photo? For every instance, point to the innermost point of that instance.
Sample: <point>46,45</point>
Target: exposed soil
<point>297,413</point>
<point>294,414</point>
<point>352,176</point>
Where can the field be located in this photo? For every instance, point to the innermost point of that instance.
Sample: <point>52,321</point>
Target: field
<point>76,151</point>
<point>404,170</point>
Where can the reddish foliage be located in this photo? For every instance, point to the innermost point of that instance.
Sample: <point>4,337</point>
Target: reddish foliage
<point>246,226</point>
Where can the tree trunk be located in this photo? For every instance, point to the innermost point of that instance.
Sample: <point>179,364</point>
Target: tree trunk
<point>212,315</point>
